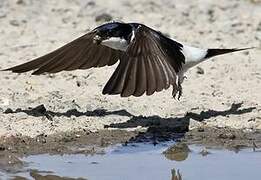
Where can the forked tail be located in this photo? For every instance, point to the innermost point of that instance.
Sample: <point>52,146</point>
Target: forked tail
<point>216,52</point>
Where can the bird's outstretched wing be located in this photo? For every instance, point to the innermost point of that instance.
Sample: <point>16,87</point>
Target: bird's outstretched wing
<point>82,53</point>
<point>147,66</point>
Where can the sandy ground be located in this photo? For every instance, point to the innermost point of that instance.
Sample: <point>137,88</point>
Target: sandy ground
<point>223,92</point>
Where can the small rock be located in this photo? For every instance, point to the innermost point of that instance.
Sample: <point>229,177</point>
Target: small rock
<point>255,1</point>
<point>227,135</point>
<point>211,12</point>
<point>8,110</point>
<point>104,17</point>
<point>251,119</point>
<point>259,27</point>
<point>14,23</point>
<point>78,83</point>
<point>2,148</point>
<point>20,2</point>
<point>200,70</point>
<point>246,52</point>
<point>204,152</point>
<point>178,152</point>
<point>91,3</point>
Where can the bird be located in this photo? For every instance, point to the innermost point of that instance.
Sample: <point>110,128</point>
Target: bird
<point>149,61</point>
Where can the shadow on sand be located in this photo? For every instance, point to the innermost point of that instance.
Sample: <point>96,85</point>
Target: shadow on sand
<point>158,128</point>
<point>40,111</point>
<point>164,129</point>
<point>233,110</point>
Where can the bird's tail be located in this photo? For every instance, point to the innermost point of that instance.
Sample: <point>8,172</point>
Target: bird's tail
<point>216,52</point>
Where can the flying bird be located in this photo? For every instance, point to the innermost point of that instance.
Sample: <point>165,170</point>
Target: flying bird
<point>149,61</point>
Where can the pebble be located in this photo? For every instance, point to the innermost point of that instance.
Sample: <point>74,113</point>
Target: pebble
<point>104,17</point>
<point>200,70</point>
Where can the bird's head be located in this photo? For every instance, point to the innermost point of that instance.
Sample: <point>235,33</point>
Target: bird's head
<point>109,30</point>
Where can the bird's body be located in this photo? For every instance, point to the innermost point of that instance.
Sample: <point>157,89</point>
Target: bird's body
<point>149,61</point>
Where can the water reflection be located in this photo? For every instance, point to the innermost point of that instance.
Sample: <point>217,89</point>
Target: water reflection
<point>175,175</point>
<point>145,161</point>
<point>10,163</point>
<point>177,152</point>
<point>36,175</point>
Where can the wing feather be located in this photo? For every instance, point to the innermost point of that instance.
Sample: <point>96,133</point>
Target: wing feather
<point>58,62</point>
<point>130,80</point>
<point>116,82</point>
<point>164,73</point>
<point>147,69</point>
<point>151,80</point>
<point>141,84</point>
<point>158,74</point>
<point>81,53</point>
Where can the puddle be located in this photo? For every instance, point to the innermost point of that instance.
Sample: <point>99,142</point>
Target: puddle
<point>144,161</point>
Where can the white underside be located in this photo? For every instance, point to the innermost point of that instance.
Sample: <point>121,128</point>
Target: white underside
<point>116,43</point>
<point>193,56</point>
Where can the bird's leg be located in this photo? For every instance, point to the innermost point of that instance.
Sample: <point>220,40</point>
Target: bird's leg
<point>174,92</point>
<point>180,92</point>
<point>177,90</point>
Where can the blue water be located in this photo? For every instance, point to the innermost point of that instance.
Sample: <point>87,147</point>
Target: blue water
<point>146,162</point>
